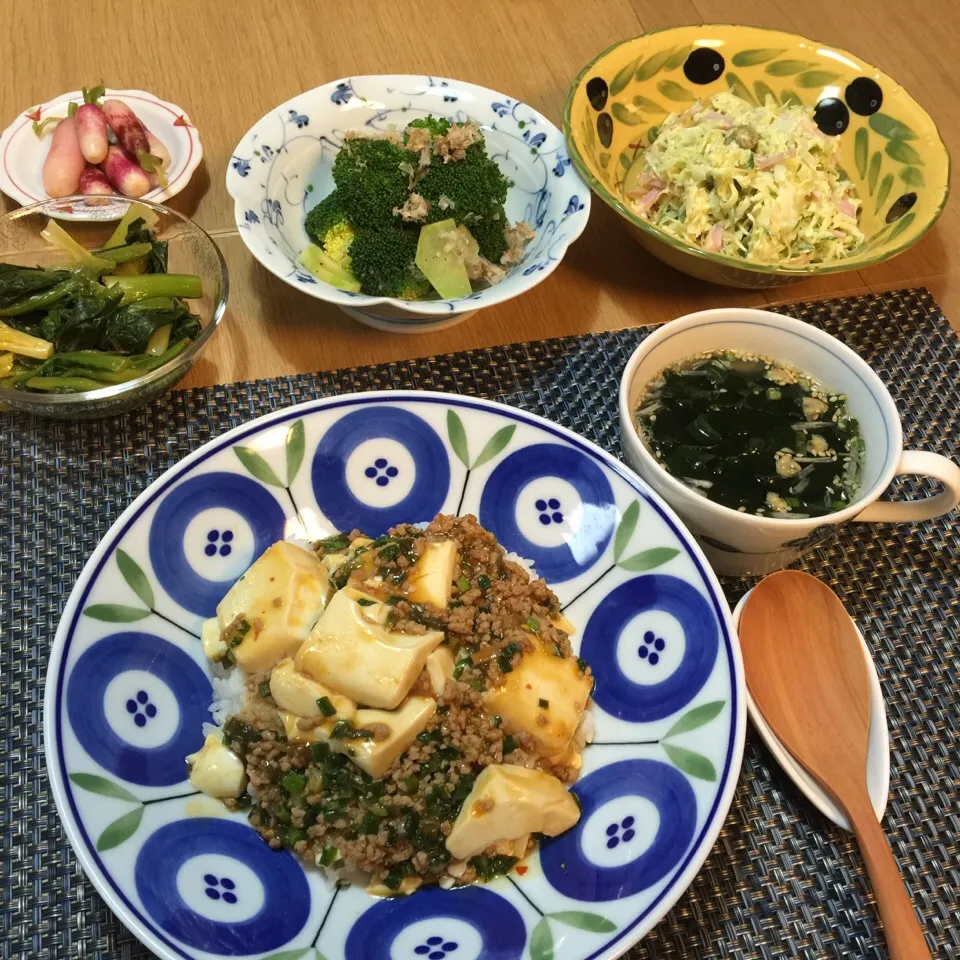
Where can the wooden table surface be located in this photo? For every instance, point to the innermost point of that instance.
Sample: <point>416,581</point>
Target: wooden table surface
<point>228,63</point>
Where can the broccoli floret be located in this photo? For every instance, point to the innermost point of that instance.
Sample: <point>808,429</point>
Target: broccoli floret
<point>337,242</point>
<point>474,188</point>
<point>372,177</point>
<point>327,214</point>
<point>384,262</point>
<point>490,236</point>
<point>437,126</point>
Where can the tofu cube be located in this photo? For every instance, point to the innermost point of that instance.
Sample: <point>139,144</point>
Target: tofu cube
<point>431,580</point>
<point>440,669</point>
<point>540,678</point>
<point>210,640</point>
<point>508,802</point>
<point>298,694</point>
<point>280,598</point>
<point>216,770</point>
<point>375,756</point>
<point>351,650</point>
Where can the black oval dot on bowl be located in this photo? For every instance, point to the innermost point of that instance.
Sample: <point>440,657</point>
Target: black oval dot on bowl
<point>703,65</point>
<point>863,96</point>
<point>605,129</point>
<point>597,92</point>
<point>900,206</point>
<point>831,116</point>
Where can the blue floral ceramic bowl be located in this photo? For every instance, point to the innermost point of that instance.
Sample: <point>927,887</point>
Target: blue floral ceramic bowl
<point>283,166</point>
<point>128,686</point>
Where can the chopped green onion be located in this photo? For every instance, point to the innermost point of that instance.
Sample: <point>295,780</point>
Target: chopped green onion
<point>509,744</point>
<point>330,853</point>
<point>364,602</point>
<point>544,704</point>
<point>326,707</point>
<point>483,582</point>
<point>294,835</point>
<point>411,784</point>
<point>496,720</point>
<point>581,664</point>
<point>293,782</point>
<point>463,584</point>
<point>533,623</point>
<point>476,684</point>
<point>263,688</point>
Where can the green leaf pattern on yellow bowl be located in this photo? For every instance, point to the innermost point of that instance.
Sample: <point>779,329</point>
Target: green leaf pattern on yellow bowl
<point>789,98</point>
<point>890,128</point>
<point>873,173</point>
<point>912,177</point>
<point>816,78</point>
<point>648,105</point>
<point>654,65</point>
<point>624,76</point>
<point>750,58</point>
<point>861,147</point>
<point>884,192</point>
<point>679,58</point>
<point>763,92</point>
<point>674,91</point>
<point>738,88</point>
<point>903,152</point>
<point>901,225</point>
<point>627,114</point>
<point>787,68</point>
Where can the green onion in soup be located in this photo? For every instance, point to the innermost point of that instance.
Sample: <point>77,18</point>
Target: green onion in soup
<point>753,434</point>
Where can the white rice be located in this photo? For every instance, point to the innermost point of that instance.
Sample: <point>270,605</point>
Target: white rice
<point>229,694</point>
<point>525,563</point>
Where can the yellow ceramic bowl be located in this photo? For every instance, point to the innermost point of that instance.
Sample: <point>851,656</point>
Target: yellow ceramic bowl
<point>890,147</point>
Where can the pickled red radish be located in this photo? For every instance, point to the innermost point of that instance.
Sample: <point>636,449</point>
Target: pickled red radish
<point>65,162</point>
<point>93,181</point>
<point>440,260</point>
<point>92,132</point>
<point>124,174</point>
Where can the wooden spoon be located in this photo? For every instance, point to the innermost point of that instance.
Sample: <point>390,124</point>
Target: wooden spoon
<point>806,673</point>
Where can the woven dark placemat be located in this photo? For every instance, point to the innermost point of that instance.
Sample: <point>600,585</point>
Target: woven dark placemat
<point>781,882</point>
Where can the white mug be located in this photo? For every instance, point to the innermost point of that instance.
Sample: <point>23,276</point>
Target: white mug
<point>744,544</point>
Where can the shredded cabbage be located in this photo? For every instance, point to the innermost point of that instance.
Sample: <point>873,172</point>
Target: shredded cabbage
<point>761,183</point>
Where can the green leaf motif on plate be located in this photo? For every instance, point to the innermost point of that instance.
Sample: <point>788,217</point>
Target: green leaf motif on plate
<point>912,177</point>
<point>790,99</point>
<point>495,444</point>
<point>652,133</point>
<point>114,613</point>
<point>874,172</point>
<point>763,92</point>
<point>738,89</point>
<point>541,941</point>
<point>861,147</point>
<point>135,577</point>
<point>901,151</point>
<point>816,78</point>
<point>891,129</point>
<point>625,114</point>
<point>626,159</point>
<point>678,58</point>
<point>654,65</point>
<point>900,226</point>
<point>691,763</point>
<point>582,920</point>
<point>696,717</point>
<point>647,105</point>
<point>885,186</point>
<point>787,68</point>
<point>256,466</point>
<point>102,786</point>
<point>458,438</point>
<point>625,528</point>
<point>589,136</point>
<point>624,76</point>
<point>648,559</point>
<point>604,160</point>
<point>751,58</point>
<point>674,91</point>
<point>120,830</point>
<point>294,443</point>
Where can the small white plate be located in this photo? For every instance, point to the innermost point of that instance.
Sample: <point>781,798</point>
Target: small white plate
<point>878,750</point>
<point>22,152</point>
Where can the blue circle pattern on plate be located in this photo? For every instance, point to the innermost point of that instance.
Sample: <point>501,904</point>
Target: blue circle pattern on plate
<point>93,672</point>
<point>567,866</point>
<point>502,491</point>
<point>286,903</point>
<point>331,486</point>
<point>184,502</point>
<point>495,919</point>
<point>616,693</point>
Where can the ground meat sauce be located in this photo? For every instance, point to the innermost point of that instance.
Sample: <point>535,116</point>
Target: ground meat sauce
<point>325,808</point>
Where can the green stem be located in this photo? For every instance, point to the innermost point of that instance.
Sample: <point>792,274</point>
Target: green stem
<point>132,251</point>
<point>66,384</point>
<point>157,285</point>
<point>95,359</point>
<point>147,363</point>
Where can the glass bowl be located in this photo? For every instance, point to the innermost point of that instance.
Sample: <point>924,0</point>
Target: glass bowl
<point>190,249</point>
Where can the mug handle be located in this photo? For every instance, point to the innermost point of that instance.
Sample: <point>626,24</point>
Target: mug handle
<point>919,464</point>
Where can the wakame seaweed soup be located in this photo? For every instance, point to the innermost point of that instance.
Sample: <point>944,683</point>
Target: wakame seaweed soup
<point>753,434</point>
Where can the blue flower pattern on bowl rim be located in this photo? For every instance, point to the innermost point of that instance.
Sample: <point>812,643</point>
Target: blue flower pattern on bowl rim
<point>411,421</point>
<point>540,154</point>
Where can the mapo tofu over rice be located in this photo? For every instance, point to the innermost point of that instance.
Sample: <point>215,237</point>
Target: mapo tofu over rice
<point>403,710</point>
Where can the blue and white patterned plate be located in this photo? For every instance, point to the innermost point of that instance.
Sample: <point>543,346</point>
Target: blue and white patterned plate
<point>283,166</point>
<point>128,687</point>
